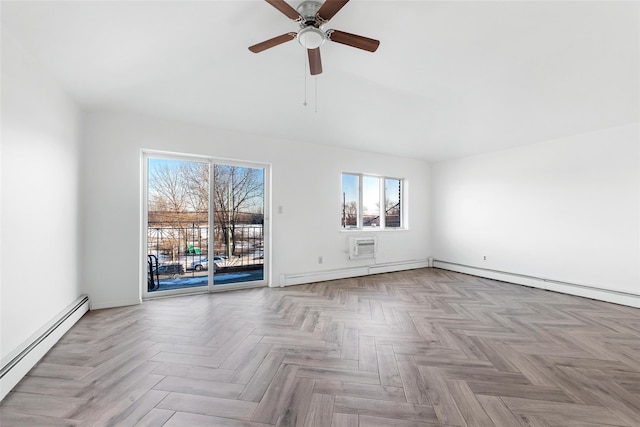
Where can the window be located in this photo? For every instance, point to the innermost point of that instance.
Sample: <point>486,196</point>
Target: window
<point>350,198</point>
<point>392,198</point>
<point>204,224</point>
<point>371,202</point>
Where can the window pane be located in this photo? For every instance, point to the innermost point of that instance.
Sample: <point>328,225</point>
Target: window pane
<point>370,201</point>
<point>177,224</point>
<point>350,199</point>
<point>238,218</point>
<point>392,195</point>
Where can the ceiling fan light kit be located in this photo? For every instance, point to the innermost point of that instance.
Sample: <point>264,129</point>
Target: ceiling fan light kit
<point>311,37</point>
<point>312,16</point>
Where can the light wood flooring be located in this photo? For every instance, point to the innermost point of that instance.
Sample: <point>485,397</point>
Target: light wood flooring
<point>419,348</point>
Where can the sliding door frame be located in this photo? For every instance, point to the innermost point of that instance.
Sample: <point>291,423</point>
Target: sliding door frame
<point>144,212</point>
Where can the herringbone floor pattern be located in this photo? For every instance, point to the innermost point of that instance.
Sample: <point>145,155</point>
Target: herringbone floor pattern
<point>417,348</point>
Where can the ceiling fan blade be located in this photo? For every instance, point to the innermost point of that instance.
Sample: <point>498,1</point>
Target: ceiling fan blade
<point>315,63</point>
<point>267,44</point>
<point>353,40</point>
<point>285,8</point>
<point>329,8</point>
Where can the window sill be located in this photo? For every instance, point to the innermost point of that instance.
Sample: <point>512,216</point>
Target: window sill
<point>372,229</point>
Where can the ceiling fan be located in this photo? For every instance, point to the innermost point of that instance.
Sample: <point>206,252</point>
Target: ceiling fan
<point>312,15</point>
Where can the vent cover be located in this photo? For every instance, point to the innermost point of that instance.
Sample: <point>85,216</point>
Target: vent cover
<point>362,247</point>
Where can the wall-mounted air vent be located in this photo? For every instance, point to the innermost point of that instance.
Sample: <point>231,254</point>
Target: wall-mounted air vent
<point>362,247</point>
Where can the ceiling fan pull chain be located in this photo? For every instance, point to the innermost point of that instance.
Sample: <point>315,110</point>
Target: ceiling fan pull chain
<point>305,78</point>
<point>316,100</point>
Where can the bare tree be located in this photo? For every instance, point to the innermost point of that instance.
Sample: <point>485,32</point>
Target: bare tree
<point>166,189</point>
<point>237,191</point>
<point>350,214</point>
<point>195,180</point>
<point>166,200</point>
<point>176,189</point>
<point>179,195</point>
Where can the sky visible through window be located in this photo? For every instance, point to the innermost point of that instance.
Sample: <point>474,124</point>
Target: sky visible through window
<point>370,195</point>
<point>391,192</point>
<point>371,201</point>
<point>350,186</point>
<point>174,166</point>
<point>370,192</point>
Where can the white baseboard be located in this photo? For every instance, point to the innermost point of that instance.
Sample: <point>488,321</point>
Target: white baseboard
<point>20,362</point>
<point>607,295</point>
<point>114,303</point>
<point>345,273</point>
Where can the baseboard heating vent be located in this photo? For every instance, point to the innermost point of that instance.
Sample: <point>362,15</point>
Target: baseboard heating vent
<point>362,247</point>
<point>19,362</point>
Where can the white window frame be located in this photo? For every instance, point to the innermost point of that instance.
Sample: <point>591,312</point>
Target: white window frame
<point>382,213</point>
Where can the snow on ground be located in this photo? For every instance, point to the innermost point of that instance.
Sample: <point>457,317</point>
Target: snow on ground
<point>190,281</point>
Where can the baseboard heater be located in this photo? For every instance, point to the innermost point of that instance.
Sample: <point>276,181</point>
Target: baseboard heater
<point>609,295</point>
<point>32,350</point>
<point>345,273</point>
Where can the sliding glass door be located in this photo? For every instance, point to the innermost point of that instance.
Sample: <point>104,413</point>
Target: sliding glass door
<point>204,225</point>
<point>238,223</point>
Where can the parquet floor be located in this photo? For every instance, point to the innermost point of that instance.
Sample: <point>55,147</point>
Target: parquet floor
<point>418,348</point>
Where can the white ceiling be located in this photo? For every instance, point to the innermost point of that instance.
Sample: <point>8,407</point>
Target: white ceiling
<point>450,78</point>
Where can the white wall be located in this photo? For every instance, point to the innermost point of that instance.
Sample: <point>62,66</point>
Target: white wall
<point>567,210</point>
<point>306,182</point>
<point>40,159</point>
